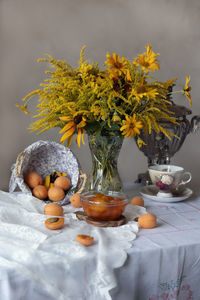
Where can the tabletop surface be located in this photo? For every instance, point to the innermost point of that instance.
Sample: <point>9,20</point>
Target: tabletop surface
<point>164,262</point>
<point>161,263</point>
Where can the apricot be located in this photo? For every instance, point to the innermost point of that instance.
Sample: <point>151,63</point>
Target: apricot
<point>100,206</point>
<point>33,179</point>
<point>147,221</point>
<point>54,223</point>
<point>75,200</point>
<point>56,194</point>
<point>62,182</point>
<point>84,240</point>
<point>137,200</point>
<point>40,192</point>
<point>53,209</point>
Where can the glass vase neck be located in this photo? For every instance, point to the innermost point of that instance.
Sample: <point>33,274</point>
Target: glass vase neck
<point>105,151</point>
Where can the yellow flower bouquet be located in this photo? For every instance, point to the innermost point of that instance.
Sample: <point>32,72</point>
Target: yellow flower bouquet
<point>108,104</point>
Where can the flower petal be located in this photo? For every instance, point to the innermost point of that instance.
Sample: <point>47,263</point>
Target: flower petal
<point>67,134</point>
<point>66,118</point>
<point>79,137</point>
<point>83,132</point>
<point>67,127</point>
<point>69,140</point>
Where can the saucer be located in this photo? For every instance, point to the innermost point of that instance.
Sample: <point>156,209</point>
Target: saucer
<point>150,192</point>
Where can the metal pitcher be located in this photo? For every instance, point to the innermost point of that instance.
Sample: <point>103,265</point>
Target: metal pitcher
<point>159,148</point>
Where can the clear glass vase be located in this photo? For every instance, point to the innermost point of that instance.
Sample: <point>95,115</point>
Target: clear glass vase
<point>105,152</point>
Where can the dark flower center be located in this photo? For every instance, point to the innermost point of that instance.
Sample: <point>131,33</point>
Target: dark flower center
<point>77,119</point>
<point>120,83</point>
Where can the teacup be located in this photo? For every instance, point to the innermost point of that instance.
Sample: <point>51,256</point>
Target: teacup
<point>168,178</point>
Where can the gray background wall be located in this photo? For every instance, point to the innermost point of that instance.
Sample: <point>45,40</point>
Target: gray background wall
<point>31,28</point>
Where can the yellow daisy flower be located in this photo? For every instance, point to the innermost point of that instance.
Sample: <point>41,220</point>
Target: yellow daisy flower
<point>113,73</point>
<point>116,73</point>
<point>23,108</point>
<point>131,126</point>
<point>76,122</point>
<point>117,63</point>
<point>148,60</point>
<point>187,89</point>
<point>143,90</point>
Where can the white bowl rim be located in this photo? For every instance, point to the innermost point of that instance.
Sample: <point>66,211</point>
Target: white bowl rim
<point>174,169</point>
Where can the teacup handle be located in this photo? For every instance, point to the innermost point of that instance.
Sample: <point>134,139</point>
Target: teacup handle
<point>188,180</point>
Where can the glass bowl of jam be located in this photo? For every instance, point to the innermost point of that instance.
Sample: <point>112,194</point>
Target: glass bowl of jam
<point>106,206</point>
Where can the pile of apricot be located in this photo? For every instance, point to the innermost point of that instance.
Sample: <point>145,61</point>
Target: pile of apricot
<point>53,187</point>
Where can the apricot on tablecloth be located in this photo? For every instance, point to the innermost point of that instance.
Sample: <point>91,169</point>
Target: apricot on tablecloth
<point>84,240</point>
<point>137,200</point>
<point>147,220</point>
<point>75,200</point>
<point>54,223</point>
<point>53,209</point>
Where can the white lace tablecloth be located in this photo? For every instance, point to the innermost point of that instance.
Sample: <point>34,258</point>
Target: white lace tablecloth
<point>36,263</point>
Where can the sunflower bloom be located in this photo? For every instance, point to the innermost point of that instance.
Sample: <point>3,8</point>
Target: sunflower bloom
<point>187,89</point>
<point>75,123</point>
<point>23,108</point>
<point>143,90</point>
<point>117,64</point>
<point>113,73</point>
<point>148,60</point>
<point>131,126</point>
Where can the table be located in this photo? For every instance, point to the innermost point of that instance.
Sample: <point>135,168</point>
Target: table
<point>162,263</point>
